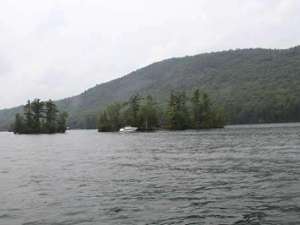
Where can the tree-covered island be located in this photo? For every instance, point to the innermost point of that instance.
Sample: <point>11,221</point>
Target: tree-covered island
<point>40,117</point>
<point>181,112</point>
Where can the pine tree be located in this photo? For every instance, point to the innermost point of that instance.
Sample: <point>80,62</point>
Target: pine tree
<point>19,124</point>
<point>61,122</point>
<point>37,110</point>
<point>113,112</point>
<point>197,110</point>
<point>148,115</point>
<point>51,117</point>
<point>103,123</point>
<point>131,114</point>
<point>28,128</point>
<point>40,117</point>
<point>178,117</point>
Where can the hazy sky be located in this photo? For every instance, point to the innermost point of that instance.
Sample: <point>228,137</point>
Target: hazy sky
<point>59,48</point>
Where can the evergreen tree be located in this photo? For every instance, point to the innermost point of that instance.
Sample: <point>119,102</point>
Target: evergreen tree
<point>51,117</point>
<point>19,124</point>
<point>110,119</point>
<point>114,116</point>
<point>148,114</point>
<point>28,128</point>
<point>37,111</point>
<point>206,106</point>
<point>131,114</point>
<point>61,122</point>
<point>177,112</point>
<point>180,114</point>
<point>203,114</point>
<point>103,123</point>
<point>40,117</point>
<point>197,110</point>
<point>214,119</point>
<point>219,121</point>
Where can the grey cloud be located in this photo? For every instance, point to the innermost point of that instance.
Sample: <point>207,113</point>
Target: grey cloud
<point>5,67</point>
<point>55,49</point>
<point>53,22</point>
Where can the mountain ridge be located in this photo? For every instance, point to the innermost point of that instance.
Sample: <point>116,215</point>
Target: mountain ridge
<point>226,75</point>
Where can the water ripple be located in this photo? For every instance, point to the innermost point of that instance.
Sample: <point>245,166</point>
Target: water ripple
<point>241,175</point>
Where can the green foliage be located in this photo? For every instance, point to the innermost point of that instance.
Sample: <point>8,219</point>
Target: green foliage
<point>19,123</point>
<point>252,85</point>
<point>103,123</point>
<point>177,115</point>
<point>138,112</point>
<point>40,117</point>
<point>131,111</point>
<point>144,114</point>
<point>204,115</point>
<point>61,122</point>
<point>28,127</point>
<point>148,114</point>
<point>110,119</point>
<point>51,116</point>
<point>37,111</point>
<point>197,110</point>
<point>214,119</point>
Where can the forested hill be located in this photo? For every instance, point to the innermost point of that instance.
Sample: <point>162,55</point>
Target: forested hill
<point>253,85</point>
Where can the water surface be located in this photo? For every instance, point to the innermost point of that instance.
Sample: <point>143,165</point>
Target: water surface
<point>237,175</point>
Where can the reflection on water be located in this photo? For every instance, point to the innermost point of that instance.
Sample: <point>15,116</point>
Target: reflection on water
<point>237,175</point>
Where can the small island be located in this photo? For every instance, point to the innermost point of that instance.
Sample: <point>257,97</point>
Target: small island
<point>180,112</point>
<point>40,118</point>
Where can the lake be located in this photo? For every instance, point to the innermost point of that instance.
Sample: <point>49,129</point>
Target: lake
<point>237,175</point>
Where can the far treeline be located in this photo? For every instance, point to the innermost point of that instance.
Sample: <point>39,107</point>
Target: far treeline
<point>40,117</point>
<point>181,112</point>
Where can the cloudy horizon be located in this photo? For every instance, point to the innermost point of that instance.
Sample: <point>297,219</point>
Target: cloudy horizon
<point>59,48</point>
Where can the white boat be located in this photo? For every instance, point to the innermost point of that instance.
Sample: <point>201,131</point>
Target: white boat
<point>128,129</point>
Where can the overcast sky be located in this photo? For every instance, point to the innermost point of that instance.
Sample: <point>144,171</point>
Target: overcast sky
<point>59,48</point>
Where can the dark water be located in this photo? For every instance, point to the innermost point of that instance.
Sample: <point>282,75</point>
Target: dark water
<point>238,175</point>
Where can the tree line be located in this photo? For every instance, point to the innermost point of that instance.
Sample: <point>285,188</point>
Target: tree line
<point>265,107</point>
<point>181,112</point>
<point>40,117</point>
